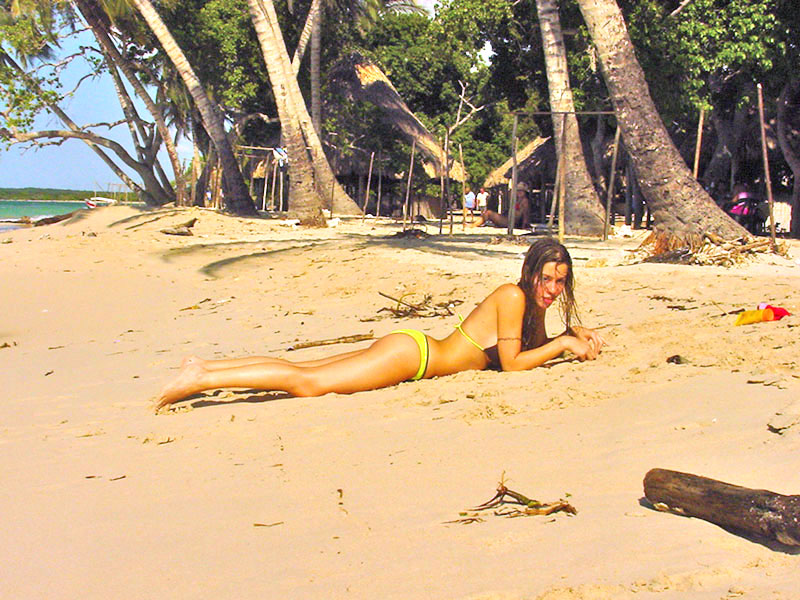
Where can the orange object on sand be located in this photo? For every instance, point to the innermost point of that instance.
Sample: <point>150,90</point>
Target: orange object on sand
<point>768,313</point>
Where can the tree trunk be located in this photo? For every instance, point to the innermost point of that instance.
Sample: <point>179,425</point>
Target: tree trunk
<point>789,140</point>
<point>316,58</point>
<point>151,193</point>
<point>97,24</point>
<point>312,17</point>
<point>324,179</point>
<point>303,196</point>
<point>729,133</point>
<point>682,210</point>
<point>583,211</point>
<point>237,199</point>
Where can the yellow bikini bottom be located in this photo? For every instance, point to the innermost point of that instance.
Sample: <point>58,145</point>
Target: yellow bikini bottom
<point>422,342</point>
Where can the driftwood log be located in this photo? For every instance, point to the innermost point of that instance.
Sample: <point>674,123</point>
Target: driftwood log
<point>755,512</point>
<point>53,219</point>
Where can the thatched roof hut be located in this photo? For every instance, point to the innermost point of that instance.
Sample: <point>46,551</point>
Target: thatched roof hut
<point>535,159</point>
<point>359,78</point>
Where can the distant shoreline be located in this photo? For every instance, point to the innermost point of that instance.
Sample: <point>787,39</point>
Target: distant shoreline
<point>60,195</point>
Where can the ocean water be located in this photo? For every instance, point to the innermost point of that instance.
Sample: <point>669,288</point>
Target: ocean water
<point>12,210</point>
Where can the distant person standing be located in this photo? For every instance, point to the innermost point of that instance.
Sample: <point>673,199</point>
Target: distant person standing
<point>469,199</point>
<point>482,199</point>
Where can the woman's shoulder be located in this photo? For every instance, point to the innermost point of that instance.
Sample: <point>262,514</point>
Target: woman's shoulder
<point>510,289</point>
<point>508,292</point>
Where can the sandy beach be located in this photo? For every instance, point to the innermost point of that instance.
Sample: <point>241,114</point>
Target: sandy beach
<point>247,494</point>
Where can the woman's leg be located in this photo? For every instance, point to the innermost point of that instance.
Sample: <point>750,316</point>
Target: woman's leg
<point>229,363</point>
<point>388,361</point>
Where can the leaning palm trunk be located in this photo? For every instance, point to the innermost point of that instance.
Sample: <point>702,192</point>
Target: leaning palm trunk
<point>583,211</point>
<point>238,197</point>
<point>303,197</point>
<point>311,18</point>
<point>682,210</point>
<point>294,116</point>
<point>151,190</point>
<point>316,59</point>
<point>94,18</point>
<point>327,185</point>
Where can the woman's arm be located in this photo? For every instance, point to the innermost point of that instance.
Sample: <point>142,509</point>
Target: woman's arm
<point>511,307</point>
<point>588,335</point>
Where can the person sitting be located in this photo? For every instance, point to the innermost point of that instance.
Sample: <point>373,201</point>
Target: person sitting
<point>521,213</point>
<point>505,331</point>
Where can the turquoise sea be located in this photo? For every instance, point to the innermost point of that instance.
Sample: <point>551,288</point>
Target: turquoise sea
<point>12,210</point>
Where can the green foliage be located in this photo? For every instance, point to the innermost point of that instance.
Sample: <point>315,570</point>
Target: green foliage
<point>426,63</point>
<point>218,39</point>
<point>692,57</point>
<point>24,95</point>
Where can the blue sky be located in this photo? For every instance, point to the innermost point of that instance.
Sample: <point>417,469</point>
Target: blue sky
<point>73,165</point>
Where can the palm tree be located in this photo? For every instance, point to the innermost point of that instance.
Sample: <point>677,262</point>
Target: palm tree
<point>293,115</point>
<point>303,190</point>
<point>238,197</point>
<point>39,26</point>
<point>98,22</point>
<point>583,211</point>
<point>682,210</point>
<point>367,13</point>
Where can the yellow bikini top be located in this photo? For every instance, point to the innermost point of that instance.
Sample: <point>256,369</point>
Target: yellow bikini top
<point>464,333</point>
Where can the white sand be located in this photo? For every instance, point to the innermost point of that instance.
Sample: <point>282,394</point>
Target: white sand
<point>255,495</point>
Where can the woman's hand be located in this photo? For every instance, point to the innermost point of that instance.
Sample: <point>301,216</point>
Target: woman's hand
<point>582,349</point>
<point>590,336</point>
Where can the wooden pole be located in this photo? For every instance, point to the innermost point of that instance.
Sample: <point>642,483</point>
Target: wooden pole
<point>512,211</point>
<point>266,185</point>
<point>380,183</point>
<point>281,173</point>
<point>699,142</point>
<point>195,169</point>
<point>767,179</point>
<point>274,181</point>
<point>369,183</point>
<point>444,188</point>
<point>554,200</point>
<point>755,512</point>
<point>611,181</point>
<point>408,184</point>
<point>563,181</point>
<point>463,190</point>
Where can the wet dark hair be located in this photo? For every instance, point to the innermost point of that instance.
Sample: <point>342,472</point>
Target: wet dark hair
<point>543,251</point>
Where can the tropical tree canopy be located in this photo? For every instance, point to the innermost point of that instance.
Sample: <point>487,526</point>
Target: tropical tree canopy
<point>700,56</point>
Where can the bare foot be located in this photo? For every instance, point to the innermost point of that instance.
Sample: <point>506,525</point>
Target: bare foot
<point>192,360</point>
<point>187,382</point>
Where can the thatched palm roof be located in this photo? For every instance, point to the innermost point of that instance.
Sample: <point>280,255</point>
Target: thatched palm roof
<point>533,156</point>
<point>359,78</point>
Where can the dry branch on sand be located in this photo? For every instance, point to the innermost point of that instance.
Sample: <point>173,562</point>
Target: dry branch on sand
<point>422,309</point>
<point>183,229</point>
<point>713,250</point>
<point>345,339</point>
<point>510,504</point>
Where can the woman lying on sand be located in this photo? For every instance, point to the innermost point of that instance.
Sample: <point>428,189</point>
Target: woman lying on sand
<point>504,331</point>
